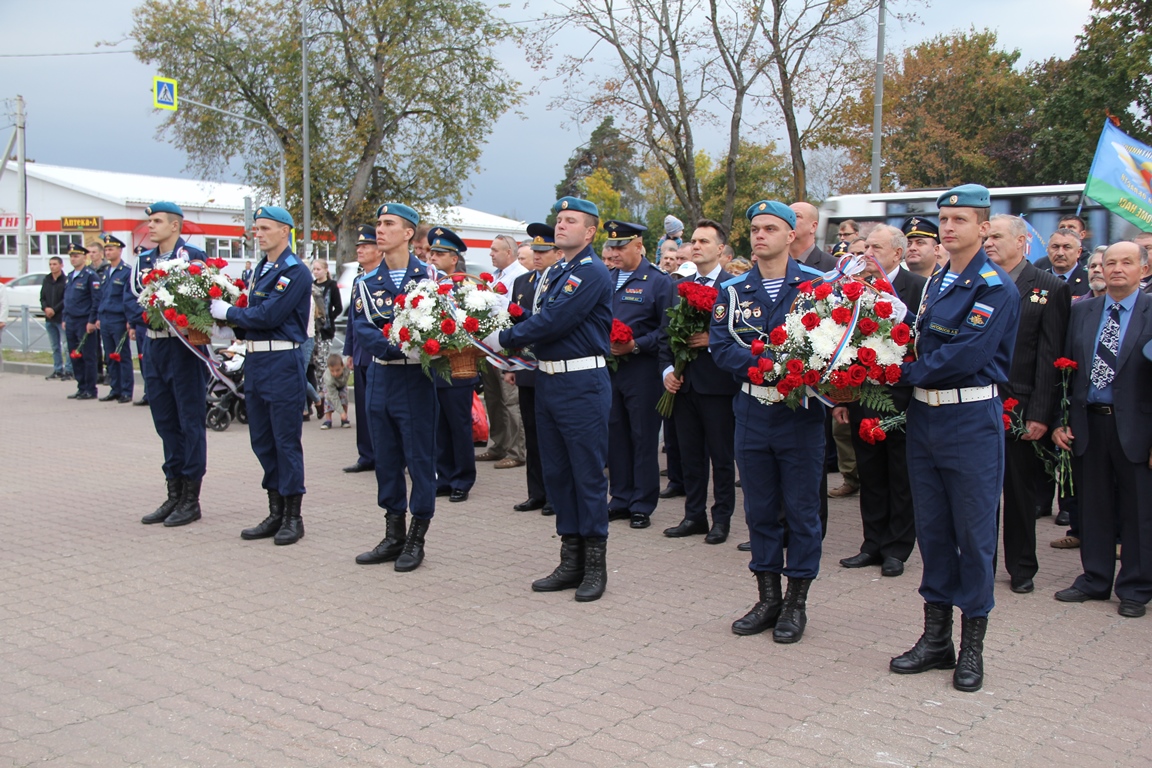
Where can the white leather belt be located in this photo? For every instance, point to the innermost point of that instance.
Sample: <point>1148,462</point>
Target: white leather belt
<point>274,345</point>
<point>936,397</point>
<point>568,366</point>
<point>153,334</point>
<point>401,361</point>
<point>766,395</point>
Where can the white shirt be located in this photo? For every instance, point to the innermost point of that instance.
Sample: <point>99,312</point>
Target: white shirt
<point>508,276</point>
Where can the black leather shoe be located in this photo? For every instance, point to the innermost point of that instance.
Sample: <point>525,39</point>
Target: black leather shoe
<point>547,510</point>
<point>1130,609</point>
<point>861,560</point>
<point>718,534</point>
<point>175,489</point>
<point>686,528</point>
<point>458,495</point>
<point>595,571</point>
<point>1062,518</point>
<point>672,491</point>
<point>531,505</point>
<point>292,527</point>
<point>969,674</point>
<point>188,508</point>
<point>141,401</point>
<point>1022,586</point>
<point>390,546</point>
<point>267,527</point>
<point>767,609</point>
<point>74,395</point>
<point>744,546</point>
<point>107,397</point>
<point>413,552</point>
<point>1073,595</point>
<point>640,520</point>
<point>570,573</point>
<point>443,492</point>
<point>934,649</point>
<point>619,514</point>
<point>793,618</point>
<point>358,467</point>
<point>85,396</point>
<point>124,399</point>
<point>892,566</point>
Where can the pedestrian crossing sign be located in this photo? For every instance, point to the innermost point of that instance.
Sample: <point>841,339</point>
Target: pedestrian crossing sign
<point>164,93</point>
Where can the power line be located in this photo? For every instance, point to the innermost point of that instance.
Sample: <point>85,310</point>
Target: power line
<point>41,55</point>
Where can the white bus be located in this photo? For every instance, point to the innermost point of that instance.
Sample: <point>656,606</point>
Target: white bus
<point>1041,206</point>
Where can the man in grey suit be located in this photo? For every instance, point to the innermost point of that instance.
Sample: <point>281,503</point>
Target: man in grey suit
<point>1112,433</point>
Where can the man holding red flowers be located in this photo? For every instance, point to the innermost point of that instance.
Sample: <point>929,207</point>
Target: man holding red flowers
<point>780,451</point>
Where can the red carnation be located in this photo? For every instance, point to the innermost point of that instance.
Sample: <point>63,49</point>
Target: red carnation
<point>755,375</point>
<point>876,373</point>
<point>221,263</point>
<point>866,356</point>
<point>778,336</point>
<point>487,277</point>
<point>764,364</point>
<point>757,347</point>
<point>870,431</point>
<point>241,301</point>
<point>415,301</point>
<point>483,287</point>
<point>401,300</point>
<point>892,374</point>
<point>114,357</point>
<point>805,287</point>
<point>857,374</point>
<point>240,284</point>
<point>793,380</point>
<point>823,291</point>
<point>811,378</point>
<point>139,357</point>
<point>152,300</point>
<point>170,314</point>
<point>839,379</point>
<point>1065,364</point>
<point>900,333</point>
<point>883,286</point>
<point>883,309</point>
<point>853,290</point>
<point>810,320</point>
<point>432,347</point>
<point>784,388</point>
<point>499,288</point>
<point>1010,404</point>
<point>794,366</point>
<point>74,354</point>
<point>621,333</point>
<point>1007,421</point>
<point>405,335</point>
<point>387,329</point>
<point>448,327</point>
<point>459,277</point>
<point>868,326</point>
<point>515,310</point>
<point>444,290</point>
<point>215,292</point>
<point>841,315</point>
<point>181,321</point>
<point>194,269</point>
<point>471,324</point>
<point>144,316</point>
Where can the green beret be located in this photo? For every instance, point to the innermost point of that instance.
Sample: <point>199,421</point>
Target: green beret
<point>274,213</point>
<point>576,204</point>
<point>401,210</point>
<point>164,207</point>
<point>773,208</point>
<point>965,196</point>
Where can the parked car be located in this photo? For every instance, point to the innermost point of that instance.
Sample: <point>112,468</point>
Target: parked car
<point>25,290</point>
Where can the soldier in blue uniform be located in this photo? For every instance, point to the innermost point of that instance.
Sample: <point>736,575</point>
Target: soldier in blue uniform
<point>81,301</point>
<point>115,296</point>
<point>401,399</point>
<point>275,324</point>
<point>965,334</point>
<point>569,335</point>
<point>780,451</point>
<point>360,361</point>
<point>455,457</point>
<point>175,380</point>
<point>642,296</point>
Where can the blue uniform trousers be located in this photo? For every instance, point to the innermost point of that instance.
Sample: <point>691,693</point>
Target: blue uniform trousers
<point>634,436</point>
<point>141,350</point>
<point>402,410</point>
<point>177,384</point>
<point>120,378</point>
<point>274,396</point>
<point>455,456</point>
<point>780,453</point>
<point>956,467</point>
<point>83,369</point>
<point>572,426</point>
<point>359,398</point>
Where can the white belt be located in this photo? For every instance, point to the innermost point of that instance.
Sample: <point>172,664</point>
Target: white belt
<point>766,395</point>
<point>401,361</point>
<point>153,334</point>
<point>274,345</point>
<point>568,366</point>
<point>936,397</point>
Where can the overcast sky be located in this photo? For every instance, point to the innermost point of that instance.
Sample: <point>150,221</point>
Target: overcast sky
<point>95,111</point>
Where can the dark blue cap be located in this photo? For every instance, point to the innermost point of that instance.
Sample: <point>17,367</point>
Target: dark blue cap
<point>576,204</point>
<point>444,239</point>
<point>918,226</point>
<point>366,234</point>
<point>622,232</point>
<point>108,240</point>
<point>164,207</point>
<point>772,208</point>
<point>77,249</point>
<point>840,248</point>
<point>965,196</point>
<point>401,210</point>
<point>543,237</point>
<point>274,213</point>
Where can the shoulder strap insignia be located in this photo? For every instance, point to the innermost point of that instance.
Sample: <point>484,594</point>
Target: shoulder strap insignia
<point>991,277</point>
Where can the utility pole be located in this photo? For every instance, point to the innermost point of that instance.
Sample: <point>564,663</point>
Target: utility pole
<point>878,104</point>
<point>21,188</point>
<point>306,250</point>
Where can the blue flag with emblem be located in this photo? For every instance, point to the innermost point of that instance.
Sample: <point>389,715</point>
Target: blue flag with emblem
<point>1034,246</point>
<point>1120,178</point>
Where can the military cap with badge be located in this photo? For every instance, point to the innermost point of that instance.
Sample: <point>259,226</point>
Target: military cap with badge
<point>543,236</point>
<point>622,232</point>
<point>112,241</point>
<point>918,226</point>
<point>445,240</point>
<point>366,234</point>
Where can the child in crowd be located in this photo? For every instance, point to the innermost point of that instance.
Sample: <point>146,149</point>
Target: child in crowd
<point>335,391</point>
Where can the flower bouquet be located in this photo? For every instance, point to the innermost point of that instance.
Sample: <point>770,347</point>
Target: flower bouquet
<point>1062,470</point>
<point>840,343</point>
<point>441,319</point>
<point>621,333</point>
<point>177,294</point>
<point>689,316</point>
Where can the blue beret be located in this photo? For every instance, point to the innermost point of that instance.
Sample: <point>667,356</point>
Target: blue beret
<point>576,204</point>
<point>543,237</point>
<point>773,208</point>
<point>444,239</point>
<point>366,234</point>
<point>108,240</point>
<point>401,210</point>
<point>274,213</point>
<point>917,226</point>
<point>965,196</point>
<point>622,232</point>
<point>164,207</point>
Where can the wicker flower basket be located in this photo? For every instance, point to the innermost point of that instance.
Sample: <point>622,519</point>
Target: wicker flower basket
<point>463,362</point>
<point>197,338</point>
<point>842,396</point>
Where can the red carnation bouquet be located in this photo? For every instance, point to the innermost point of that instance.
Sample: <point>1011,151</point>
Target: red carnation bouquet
<point>178,292</point>
<point>1062,471</point>
<point>688,317</point>
<point>621,333</point>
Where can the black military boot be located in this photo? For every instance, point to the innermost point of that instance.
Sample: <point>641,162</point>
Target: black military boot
<point>390,546</point>
<point>413,553</point>
<point>934,649</point>
<point>764,614</point>
<point>570,572</point>
<point>292,528</point>
<point>271,524</point>
<point>793,619</point>
<point>175,486</point>
<point>595,570</point>
<point>969,674</point>
<point>188,509</point>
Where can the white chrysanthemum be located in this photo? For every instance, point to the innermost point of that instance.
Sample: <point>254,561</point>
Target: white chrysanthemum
<point>474,301</point>
<point>165,297</point>
<point>825,337</point>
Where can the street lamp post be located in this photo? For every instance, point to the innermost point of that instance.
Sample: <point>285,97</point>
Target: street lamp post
<point>306,250</point>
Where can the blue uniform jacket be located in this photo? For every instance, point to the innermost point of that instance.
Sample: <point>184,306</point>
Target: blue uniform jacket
<point>642,304</point>
<point>144,264</point>
<point>752,314</point>
<point>278,301</point>
<point>965,335</point>
<point>575,314</point>
<point>368,318</point>
<point>82,295</point>
<point>116,292</point>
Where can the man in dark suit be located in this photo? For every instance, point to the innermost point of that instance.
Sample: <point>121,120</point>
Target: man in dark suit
<point>803,249</point>
<point>1064,254</point>
<point>1111,431</point>
<point>885,492</point>
<point>1032,381</point>
<point>705,422</point>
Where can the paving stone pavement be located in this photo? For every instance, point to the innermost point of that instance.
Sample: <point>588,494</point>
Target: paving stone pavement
<point>124,644</point>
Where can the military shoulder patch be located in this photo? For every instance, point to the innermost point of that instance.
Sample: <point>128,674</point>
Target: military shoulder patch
<point>586,260</point>
<point>991,277</point>
<point>980,315</point>
<point>282,284</point>
<point>732,281</point>
<point>572,284</point>
<point>720,312</point>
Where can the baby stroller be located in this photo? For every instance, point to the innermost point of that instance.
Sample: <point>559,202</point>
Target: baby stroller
<point>224,405</point>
